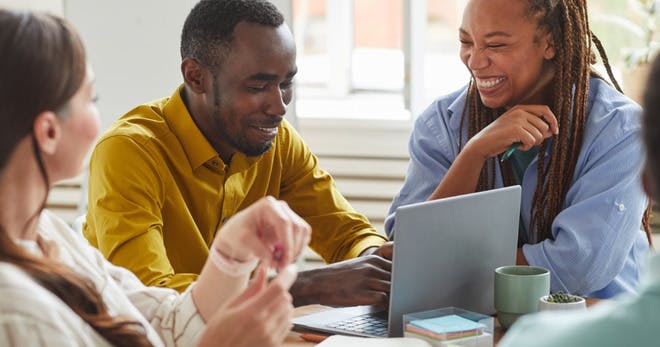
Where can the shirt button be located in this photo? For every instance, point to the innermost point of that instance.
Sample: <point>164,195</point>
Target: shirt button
<point>622,207</point>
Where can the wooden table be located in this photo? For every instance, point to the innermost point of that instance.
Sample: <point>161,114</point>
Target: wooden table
<point>294,339</point>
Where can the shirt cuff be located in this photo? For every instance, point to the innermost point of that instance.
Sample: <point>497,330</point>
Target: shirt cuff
<point>535,256</point>
<point>369,241</point>
<point>190,324</point>
<point>531,253</point>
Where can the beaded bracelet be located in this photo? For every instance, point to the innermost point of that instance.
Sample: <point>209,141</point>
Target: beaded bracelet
<point>231,266</point>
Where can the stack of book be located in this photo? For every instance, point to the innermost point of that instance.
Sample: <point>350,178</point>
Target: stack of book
<point>448,330</point>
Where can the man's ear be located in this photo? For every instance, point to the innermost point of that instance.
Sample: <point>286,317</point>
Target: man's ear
<point>194,75</point>
<point>47,131</point>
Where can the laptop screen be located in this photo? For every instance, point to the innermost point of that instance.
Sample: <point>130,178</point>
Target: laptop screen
<point>444,255</point>
<point>447,249</point>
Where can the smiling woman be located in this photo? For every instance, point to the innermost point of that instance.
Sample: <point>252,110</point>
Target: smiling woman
<point>510,65</point>
<point>579,156</point>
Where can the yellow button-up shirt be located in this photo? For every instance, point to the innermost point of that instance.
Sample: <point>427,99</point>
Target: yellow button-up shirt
<point>158,192</point>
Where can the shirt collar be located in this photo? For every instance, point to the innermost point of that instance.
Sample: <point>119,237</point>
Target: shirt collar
<point>197,147</point>
<point>456,110</point>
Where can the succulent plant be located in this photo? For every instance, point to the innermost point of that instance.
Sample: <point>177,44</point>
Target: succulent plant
<point>562,297</point>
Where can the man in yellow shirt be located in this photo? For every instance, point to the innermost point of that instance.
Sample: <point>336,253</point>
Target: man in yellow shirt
<point>169,173</point>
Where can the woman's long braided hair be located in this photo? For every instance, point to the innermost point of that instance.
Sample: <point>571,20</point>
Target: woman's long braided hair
<point>568,22</point>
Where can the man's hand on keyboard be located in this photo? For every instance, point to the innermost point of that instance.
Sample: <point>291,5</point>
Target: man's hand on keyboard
<point>360,281</point>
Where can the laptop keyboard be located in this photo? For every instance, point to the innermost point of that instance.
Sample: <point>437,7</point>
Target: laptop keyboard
<point>364,324</point>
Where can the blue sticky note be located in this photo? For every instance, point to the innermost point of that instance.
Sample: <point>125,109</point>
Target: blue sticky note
<point>447,324</point>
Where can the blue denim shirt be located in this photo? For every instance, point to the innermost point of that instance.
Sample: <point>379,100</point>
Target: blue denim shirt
<point>598,241</point>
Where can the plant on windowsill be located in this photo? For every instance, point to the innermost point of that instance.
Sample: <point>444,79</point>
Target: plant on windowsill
<point>561,301</point>
<point>637,60</point>
<point>644,10</point>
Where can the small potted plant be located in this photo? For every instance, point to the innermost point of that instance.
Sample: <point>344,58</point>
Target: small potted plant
<point>561,301</point>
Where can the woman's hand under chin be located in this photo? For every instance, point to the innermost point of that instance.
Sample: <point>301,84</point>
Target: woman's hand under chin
<point>529,125</point>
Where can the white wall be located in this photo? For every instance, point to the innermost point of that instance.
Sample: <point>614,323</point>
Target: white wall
<point>53,6</point>
<point>133,47</point>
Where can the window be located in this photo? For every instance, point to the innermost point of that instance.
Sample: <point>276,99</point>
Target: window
<point>626,29</point>
<point>352,54</point>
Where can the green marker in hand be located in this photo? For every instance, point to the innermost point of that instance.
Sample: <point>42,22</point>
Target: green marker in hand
<point>510,151</point>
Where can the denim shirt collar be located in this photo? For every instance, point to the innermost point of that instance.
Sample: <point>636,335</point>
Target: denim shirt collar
<point>455,110</point>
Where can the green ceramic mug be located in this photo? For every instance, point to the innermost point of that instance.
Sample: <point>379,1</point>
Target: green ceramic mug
<point>517,291</point>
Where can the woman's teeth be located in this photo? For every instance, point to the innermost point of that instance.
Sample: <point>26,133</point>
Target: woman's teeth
<point>489,83</point>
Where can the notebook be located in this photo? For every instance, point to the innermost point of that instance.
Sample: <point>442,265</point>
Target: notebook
<point>445,252</point>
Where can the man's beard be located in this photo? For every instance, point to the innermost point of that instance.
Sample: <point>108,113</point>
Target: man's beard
<point>237,140</point>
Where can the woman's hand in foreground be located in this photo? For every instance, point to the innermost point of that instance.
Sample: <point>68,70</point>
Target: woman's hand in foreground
<point>260,316</point>
<point>268,230</point>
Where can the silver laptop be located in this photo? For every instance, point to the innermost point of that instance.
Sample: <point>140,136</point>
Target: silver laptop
<point>445,252</point>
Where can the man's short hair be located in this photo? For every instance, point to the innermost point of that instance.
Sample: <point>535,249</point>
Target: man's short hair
<point>208,30</point>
